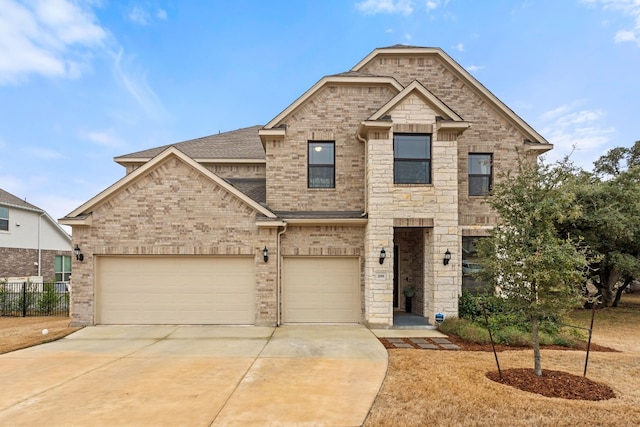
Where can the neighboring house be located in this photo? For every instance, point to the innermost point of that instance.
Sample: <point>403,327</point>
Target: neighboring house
<point>363,186</point>
<point>31,242</point>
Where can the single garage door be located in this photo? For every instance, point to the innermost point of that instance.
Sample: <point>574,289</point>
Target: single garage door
<point>321,289</point>
<point>175,290</point>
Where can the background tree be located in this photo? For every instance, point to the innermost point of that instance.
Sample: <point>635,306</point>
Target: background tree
<point>609,223</point>
<point>537,271</point>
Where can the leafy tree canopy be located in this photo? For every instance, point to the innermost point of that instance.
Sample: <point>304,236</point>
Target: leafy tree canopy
<point>537,271</point>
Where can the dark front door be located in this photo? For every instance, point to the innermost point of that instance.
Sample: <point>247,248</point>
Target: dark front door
<point>396,263</point>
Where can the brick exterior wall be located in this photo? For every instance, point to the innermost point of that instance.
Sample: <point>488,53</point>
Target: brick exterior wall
<point>172,210</point>
<point>23,262</point>
<point>332,114</point>
<point>232,170</point>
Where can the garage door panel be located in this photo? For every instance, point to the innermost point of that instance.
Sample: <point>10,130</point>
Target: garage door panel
<point>321,289</point>
<point>175,290</point>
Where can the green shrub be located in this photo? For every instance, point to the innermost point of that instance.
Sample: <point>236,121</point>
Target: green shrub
<point>49,300</point>
<point>466,330</point>
<point>512,335</point>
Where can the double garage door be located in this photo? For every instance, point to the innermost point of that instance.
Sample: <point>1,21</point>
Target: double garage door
<point>221,290</point>
<point>175,290</point>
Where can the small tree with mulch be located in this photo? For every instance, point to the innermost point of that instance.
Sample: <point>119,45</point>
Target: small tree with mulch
<point>534,269</point>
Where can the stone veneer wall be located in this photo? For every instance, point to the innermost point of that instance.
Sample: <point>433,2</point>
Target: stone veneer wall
<point>172,210</point>
<point>436,202</point>
<point>23,262</point>
<point>489,132</point>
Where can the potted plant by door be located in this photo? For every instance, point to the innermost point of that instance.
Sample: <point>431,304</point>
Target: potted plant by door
<point>409,292</point>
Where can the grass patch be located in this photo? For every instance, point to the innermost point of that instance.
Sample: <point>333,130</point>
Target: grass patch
<point>451,387</point>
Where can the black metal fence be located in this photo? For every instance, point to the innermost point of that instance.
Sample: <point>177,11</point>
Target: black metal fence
<point>34,299</point>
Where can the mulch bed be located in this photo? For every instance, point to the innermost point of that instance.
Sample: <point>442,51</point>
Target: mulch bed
<point>553,384</point>
<point>469,346</point>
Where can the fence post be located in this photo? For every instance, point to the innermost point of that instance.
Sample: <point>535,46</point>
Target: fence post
<point>24,299</point>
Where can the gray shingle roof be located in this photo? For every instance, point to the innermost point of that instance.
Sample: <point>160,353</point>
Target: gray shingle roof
<point>11,200</point>
<point>255,188</point>
<point>238,144</point>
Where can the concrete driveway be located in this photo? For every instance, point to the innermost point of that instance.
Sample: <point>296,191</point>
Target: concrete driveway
<point>195,376</point>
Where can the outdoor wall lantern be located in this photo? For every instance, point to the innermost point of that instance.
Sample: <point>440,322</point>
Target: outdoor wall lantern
<point>447,257</point>
<point>77,253</point>
<point>265,254</point>
<point>383,255</point>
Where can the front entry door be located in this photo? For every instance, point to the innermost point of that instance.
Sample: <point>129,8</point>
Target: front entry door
<point>396,263</point>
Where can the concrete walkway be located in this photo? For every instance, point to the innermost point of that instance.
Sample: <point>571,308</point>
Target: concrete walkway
<point>195,376</point>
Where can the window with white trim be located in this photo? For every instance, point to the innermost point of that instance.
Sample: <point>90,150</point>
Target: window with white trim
<point>63,268</point>
<point>4,219</point>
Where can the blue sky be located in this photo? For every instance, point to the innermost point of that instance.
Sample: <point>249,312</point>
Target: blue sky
<point>84,81</point>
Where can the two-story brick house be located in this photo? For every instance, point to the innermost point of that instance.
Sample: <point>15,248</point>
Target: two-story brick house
<point>369,183</point>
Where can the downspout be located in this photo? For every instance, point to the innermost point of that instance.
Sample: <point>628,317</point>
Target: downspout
<point>39,249</point>
<point>278,285</point>
<point>366,168</point>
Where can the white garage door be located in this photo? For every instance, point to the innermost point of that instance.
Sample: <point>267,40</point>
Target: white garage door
<point>321,290</point>
<point>175,290</point>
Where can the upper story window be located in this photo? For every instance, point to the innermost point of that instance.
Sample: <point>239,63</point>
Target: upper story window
<point>412,159</point>
<point>480,174</point>
<point>321,164</point>
<point>4,219</point>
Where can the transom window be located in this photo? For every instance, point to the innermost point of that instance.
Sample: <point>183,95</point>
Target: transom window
<point>63,268</point>
<point>4,219</point>
<point>480,174</point>
<point>412,159</point>
<point>321,164</point>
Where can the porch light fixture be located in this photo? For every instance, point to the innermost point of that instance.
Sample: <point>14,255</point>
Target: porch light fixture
<point>265,254</point>
<point>383,255</point>
<point>447,257</point>
<point>77,253</point>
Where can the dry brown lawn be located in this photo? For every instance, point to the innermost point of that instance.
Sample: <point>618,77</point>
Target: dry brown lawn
<point>22,332</point>
<point>450,388</point>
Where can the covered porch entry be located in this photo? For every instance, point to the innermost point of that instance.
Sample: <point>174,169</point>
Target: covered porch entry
<point>412,275</point>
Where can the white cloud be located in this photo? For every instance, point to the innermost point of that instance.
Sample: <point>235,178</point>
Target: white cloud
<point>135,82</point>
<point>105,138</point>
<point>432,5</point>
<point>459,47</point>
<point>474,68</point>
<point>629,8</point>
<point>373,7</point>
<point>46,37</point>
<point>161,14</point>
<point>44,153</point>
<point>576,131</point>
<point>139,16</point>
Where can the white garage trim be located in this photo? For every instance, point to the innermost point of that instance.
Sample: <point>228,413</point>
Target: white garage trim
<point>321,290</point>
<point>175,290</point>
